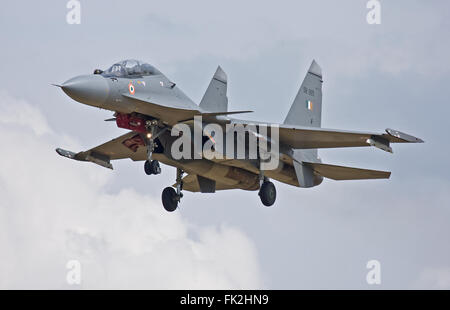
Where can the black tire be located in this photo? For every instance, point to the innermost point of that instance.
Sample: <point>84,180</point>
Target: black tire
<point>169,199</point>
<point>268,194</point>
<point>148,168</point>
<point>154,167</point>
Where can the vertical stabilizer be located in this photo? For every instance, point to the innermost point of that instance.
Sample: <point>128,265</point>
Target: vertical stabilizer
<point>306,110</point>
<point>215,98</point>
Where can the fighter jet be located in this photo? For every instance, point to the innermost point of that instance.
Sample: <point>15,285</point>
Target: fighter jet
<point>149,105</point>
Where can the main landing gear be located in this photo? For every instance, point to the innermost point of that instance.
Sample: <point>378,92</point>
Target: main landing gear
<point>267,191</point>
<point>170,196</point>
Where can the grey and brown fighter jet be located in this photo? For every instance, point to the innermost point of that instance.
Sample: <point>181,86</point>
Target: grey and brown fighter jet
<point>150,106</point>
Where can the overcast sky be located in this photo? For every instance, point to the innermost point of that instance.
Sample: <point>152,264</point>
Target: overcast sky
<point>392,75</point>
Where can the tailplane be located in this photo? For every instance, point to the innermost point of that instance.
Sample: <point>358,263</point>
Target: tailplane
<point>347,173</point>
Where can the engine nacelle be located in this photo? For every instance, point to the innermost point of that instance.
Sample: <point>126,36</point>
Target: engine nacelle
<point>318,179</point>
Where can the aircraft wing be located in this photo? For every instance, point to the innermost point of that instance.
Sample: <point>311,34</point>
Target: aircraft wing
<point>174,111</point>
<point>315,138</point>
<point>125,146</point>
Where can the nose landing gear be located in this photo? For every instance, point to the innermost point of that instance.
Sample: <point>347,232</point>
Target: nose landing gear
<point>152,167</point>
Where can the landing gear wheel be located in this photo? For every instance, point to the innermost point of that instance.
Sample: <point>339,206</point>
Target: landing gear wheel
<point>170,199</point>
<point>267,193</point>
<point>152,167</point>
<point>147,168</point>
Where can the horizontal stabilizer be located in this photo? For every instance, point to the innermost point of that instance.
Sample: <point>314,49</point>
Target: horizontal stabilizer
<point>347,173</point>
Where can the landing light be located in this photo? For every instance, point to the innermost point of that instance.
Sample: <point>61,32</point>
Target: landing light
<point>149,135</point>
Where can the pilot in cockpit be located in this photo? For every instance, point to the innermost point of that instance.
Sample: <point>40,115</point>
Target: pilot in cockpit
<point>130,67</point>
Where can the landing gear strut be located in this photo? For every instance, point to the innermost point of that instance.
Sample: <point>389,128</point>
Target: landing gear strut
<point>170,196</point>
<point>151,131</point>
<point>152,166</point>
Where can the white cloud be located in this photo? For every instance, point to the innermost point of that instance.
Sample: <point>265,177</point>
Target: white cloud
<point>434,278</point>
<point>18,112</point>
<point>53,211</point>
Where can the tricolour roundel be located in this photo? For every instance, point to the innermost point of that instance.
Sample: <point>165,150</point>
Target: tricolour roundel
<point>131,88</point>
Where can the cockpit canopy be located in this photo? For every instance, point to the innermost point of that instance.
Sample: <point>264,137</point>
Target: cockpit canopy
<point>130,67</point>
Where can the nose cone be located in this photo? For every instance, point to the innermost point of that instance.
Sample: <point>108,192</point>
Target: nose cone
<point>88,89</point>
